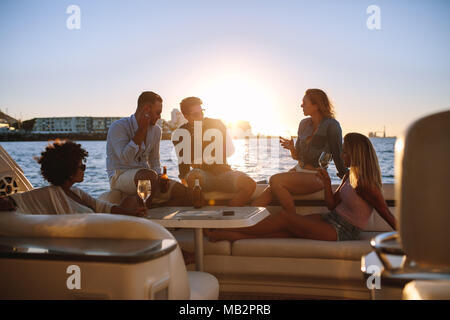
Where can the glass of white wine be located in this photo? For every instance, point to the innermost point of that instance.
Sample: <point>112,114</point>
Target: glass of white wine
<point>144,190</point>
<point>324,159</point>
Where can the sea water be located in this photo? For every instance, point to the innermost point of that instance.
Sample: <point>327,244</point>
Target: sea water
<point>259,158</point>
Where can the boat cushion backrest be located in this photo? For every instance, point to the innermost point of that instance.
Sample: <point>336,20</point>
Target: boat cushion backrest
<point>423,175</point>
<point>103,226</point>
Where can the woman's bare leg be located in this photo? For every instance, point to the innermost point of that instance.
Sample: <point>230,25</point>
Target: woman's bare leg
<point>272,224</point>
<point>263,199</point>
<point>285,225</point>
<point>309,227</point>
<point>283,185</point>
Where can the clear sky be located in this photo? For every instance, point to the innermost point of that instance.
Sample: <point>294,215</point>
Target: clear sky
<point>250,60</point>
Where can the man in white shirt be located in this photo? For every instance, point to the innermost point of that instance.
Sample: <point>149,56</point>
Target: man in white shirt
<point>132,151</point>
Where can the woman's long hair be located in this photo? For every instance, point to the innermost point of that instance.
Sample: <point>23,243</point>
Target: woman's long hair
<point>320,99</point>
<point>364,168</point>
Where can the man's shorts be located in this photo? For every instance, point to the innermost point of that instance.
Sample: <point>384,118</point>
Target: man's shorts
<point>225,182</point>
<point>123,180</point>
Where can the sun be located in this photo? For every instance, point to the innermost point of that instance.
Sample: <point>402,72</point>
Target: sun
<point>234,96</point>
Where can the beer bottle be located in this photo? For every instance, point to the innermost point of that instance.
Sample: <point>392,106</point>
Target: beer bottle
<point>197,194</point>
<point>164,181</point>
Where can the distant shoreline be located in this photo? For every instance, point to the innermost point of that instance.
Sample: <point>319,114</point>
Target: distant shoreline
<point>51,136</point>
<point>28,136</point>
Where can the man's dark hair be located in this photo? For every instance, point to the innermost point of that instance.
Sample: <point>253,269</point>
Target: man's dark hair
<point>148,97</point>
<point>61,160</point>
<point>187,103</point>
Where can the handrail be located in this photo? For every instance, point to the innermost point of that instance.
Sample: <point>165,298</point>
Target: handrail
<point>387,243</point>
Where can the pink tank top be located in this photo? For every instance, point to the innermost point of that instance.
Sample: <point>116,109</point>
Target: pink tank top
<point>353,208</point>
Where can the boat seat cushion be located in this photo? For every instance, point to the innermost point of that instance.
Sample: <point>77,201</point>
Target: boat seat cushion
<point>427,290</point>
<point>280,248</point>
<point>304,248</point>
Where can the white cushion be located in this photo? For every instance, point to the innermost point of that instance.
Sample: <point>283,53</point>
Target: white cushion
<point>427,290</point>
<point>423,192</point>
<point>204,286</point>
<point>303,248</point>
<point>106,226</point>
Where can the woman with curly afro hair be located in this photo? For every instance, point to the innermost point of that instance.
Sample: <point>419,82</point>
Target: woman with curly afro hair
<point>63,165</point>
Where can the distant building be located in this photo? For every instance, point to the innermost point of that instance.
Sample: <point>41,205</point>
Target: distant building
<point>164,126</point>
<point>176,119</point>
<point>73,124</point>
<point>102,124</point>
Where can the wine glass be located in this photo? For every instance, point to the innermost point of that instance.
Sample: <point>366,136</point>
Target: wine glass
<point>324,159</point>
<point>144,190</point>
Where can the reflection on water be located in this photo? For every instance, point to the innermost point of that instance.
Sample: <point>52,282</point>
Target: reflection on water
<point>259,159</point>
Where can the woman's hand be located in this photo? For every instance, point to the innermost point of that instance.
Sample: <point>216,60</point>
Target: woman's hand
<point>330,199</point>
<point>287,144</point>
<point>135,212</point>
<point>130,207</point>
<point>322,174</point>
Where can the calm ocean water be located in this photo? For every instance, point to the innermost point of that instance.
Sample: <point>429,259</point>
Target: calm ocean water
<point>258,160</point>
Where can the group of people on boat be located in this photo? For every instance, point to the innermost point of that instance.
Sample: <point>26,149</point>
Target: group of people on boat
<point>133,154</point>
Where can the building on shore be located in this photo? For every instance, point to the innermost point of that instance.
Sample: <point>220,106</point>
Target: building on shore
<point>176,119</point>
<point>73,124</point>
<point>95,128</point>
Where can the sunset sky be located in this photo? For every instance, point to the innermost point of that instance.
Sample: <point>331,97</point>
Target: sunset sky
<point>249,60</point>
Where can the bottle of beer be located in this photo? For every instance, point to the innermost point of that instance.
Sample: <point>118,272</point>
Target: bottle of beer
<point>164,181</point>
<point>197,195</point>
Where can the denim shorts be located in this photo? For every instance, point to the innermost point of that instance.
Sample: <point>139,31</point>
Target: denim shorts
<point>344,229</point>
<point>225,182</point>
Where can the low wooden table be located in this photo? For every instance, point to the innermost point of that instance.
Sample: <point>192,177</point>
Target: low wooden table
<point>206,217</point>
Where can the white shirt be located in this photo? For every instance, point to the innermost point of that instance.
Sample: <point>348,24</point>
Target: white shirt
<point>53,200</point>
<point>123,154</point>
